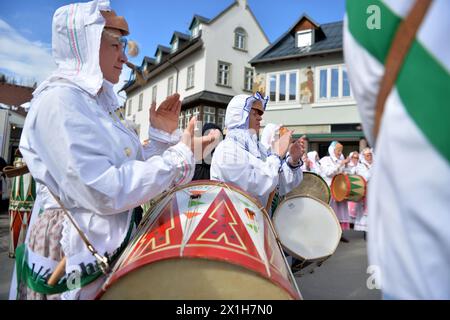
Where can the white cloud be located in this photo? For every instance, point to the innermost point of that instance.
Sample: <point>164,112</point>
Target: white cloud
<point>25,59</point>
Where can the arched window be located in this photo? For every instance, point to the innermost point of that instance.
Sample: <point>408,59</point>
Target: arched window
<point>240,39</point>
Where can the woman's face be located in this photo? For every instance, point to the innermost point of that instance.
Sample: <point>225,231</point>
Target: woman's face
<point>112,56</point>
<point>255,117</point>
<point>338,150</point>
<point>368,156</point>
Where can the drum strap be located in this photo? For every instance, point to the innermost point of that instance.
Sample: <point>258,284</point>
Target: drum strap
<point>401,44</point>
<point>103,262</point>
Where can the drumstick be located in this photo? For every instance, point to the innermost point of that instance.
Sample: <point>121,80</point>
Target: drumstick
<point>58,273</point>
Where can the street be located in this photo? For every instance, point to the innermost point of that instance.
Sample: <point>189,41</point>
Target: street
<point>343,276</point>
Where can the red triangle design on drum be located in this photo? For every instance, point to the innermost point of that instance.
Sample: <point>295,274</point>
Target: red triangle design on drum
<point>221,235</point>
<point>162,238</point>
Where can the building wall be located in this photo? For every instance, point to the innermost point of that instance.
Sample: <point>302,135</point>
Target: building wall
<point>219,43</point>
<point>161,81</point>
<point>306,109</point>
<point>218,38</point>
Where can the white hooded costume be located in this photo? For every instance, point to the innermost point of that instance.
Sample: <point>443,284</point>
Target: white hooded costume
<point>331,166</point>
<point>241,159</point>
<point>91,161</point>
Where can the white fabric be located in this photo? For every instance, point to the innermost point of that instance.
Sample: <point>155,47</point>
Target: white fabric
<point>242,160</point>
<point>269,135</point>
<point>316,167</point>
<point>408,238</point>
<point>90,160</point>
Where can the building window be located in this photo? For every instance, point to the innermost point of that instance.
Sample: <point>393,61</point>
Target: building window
<point>170,86</point>
<point>323,83</point>
<point>283,86</point>
<point>305,38</point>
<point>141,100</point>
<point>273,87</point>
<point>248,79</point>
<point>240,39</point>
<point>154,93</point>
<point>195,29</point>
<point>292,86</point>
<point>223,74</point>
<point>209,114</point>
<point>174,45</point>
<point>221,118</point>
<point>130,106</point>
<point>181,120</point>
<point>158,57</point>
<point>345,84</point>
<point>333,83</point>
<point>187,117</point>
<point>190,77</point>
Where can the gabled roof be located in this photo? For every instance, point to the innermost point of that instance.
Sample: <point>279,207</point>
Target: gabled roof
<point>328,39</point>
<point>200,19</point>
<point>163,49</point>
<point>148,60</point>
<point>180,35</point>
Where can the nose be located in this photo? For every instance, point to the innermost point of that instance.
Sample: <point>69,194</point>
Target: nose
<point>123,57</point>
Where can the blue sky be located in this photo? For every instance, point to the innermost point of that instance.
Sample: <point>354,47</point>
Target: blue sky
<point>25,26</point>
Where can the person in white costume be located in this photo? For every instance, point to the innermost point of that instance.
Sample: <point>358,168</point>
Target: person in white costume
<point>241,159</point>
<point>408,204</point>
<point>331,165</point>
<point>357,210</point>
<point>93,164</point>
<point>312,163</point>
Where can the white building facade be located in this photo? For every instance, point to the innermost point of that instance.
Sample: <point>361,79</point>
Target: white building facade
<point>304,74</point>
<point>207,68</point>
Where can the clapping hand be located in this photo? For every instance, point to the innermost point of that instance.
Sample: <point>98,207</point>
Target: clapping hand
<point>165,118</point>
<point>296,150</point>
<point>198,144</point>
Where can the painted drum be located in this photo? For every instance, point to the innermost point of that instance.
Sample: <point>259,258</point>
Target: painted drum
<point>312,185</point>
<point>205,240</point>
<point>23,194</point>
<point>307,228</point>
<point>350,187</point>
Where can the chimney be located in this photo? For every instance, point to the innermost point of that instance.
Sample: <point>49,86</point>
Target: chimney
<point>242,3</point>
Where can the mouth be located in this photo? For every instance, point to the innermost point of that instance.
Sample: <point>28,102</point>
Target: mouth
<point>118,68</point>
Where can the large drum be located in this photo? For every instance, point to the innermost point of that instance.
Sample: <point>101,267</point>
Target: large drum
<point>350,187</point>
<point>308,228</point>
<point>312,185</point>
<point>21,200</point>
<point>206,240</point>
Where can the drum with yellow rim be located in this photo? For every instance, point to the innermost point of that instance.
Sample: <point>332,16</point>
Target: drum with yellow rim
<point>312,185</point>
<point>350,187</point>
<point>204,240</point>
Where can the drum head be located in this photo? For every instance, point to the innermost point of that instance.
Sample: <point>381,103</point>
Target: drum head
<point>312,185</point>
<point>308,228</point>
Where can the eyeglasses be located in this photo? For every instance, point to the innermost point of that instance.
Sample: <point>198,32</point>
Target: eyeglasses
<point>123,41</point>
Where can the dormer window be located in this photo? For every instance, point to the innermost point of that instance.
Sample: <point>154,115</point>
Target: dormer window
<point>305,38</point>
<point>195,29</point>
<point>174,45</point>
<point>158,57</point>
<point>240,39</point>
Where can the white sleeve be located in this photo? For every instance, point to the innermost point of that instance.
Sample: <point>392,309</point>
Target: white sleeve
<point>80,163</point>
<point>237,166</point>
<point>328,168</point>
<point>159,141</point>
<point>289,177</point>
